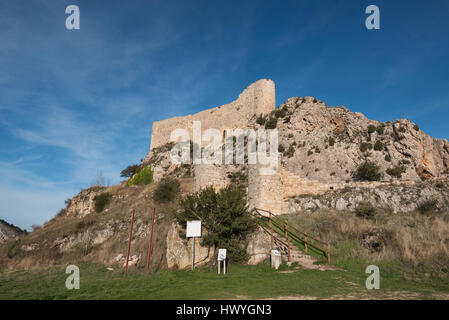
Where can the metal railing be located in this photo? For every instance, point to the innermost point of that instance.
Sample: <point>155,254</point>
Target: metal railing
<point>281,227</point>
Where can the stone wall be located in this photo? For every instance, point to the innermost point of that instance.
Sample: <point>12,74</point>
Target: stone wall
<point>258,98</point>
<point>209,175</point>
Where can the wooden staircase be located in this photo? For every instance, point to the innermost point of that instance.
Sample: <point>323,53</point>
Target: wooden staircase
<point>285,238</point>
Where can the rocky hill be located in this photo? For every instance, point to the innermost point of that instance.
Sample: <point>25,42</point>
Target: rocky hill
<point>10,232</point>
<point>324,146</point>
<point>328,143</point>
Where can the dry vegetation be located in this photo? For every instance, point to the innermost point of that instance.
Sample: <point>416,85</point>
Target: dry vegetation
<point>42,247</point>
<point>415,242</point>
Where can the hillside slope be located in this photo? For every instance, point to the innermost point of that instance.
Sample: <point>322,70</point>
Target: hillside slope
<point>9,232</point>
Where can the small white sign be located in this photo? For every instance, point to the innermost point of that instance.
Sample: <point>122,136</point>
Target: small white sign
<point>194,228</point>
<point>221,254</point>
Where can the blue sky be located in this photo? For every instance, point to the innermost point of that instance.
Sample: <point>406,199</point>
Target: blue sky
<point>77,103</point>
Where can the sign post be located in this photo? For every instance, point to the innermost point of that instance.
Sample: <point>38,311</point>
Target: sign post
<point>193,231</point>
<point>222,257</point>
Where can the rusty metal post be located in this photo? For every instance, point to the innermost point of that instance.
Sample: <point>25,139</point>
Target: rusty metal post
<point>271,231</point>
<point>285,230</point>
<point>328,253</point>
<point>289,249</point>
<point>129,241</point>
<point>305,244</point>
<point>151,241</point>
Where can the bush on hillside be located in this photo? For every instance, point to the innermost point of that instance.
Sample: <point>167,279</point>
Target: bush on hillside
<point>368,171</point>
<point>223,214</point>
<point>167,190</point>
<point>271,123</point>
<point>396,171</point>
<point>365,210</point>
<point>428,207</point>
<point>378,146</point>
<point>130,171</point>
<point>261,119</point>
<point>371,128</point>
<point>366,146</point>
<point>380,129</point>
<point>144,176</point>
<point>101,200</point>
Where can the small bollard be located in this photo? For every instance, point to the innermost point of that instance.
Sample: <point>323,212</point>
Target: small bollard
<point>222,258</point>
<point>276,259</point>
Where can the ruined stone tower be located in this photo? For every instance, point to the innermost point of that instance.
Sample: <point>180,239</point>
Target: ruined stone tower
<point>259,98</point>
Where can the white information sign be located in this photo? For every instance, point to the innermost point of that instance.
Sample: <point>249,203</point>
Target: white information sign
<point>221,254</point>
<point>194,228</point>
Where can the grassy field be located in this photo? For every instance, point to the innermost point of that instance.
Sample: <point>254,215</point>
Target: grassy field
<point>242,282</point>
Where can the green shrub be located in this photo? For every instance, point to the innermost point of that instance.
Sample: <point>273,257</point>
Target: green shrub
<point>380,129</point>
<point>368,171</point>
<point>261,119</point>
<point>402,129</point>
<point>223,214</point>
<point>378,146</point>
<point>331,141</point>
<point>290,135</point>
<point>387,158</point>
<point>365,210</point>
<point>144,176</point>
<point>167,190</point>
<point>315,100</point>
<point>130,171</point>
<point>366,146</point>
<point>271,123</point>
<point>14,249</point>
<point>281,148</point>
<point>101,200</point>
<point>428,207</point>
<point>279,113</point>
<point>310,152</point>
<point>396,171</point>
<point>416,127</point>
<point>371,128</point>
<point>290,152</point>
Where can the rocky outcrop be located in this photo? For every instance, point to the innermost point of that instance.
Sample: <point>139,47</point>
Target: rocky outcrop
<point>9,232</point>
<point>328,143</point>
<point>321,148</point>
<point>391,197</point>
<point>179,251</point>
<point>258,247</point>
<point>83,203</point>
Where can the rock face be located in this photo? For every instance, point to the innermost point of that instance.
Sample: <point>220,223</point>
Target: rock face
<point>258,247</point>
<point>320,149</point>
<point>391,197</point>
<point>179,251</point>
<point>9,232</point>
<point>329,142</point>
<point>83,203</point>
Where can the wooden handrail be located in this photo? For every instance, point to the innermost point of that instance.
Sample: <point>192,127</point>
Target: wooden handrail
<point>302,232</point>
<point>284,227</point>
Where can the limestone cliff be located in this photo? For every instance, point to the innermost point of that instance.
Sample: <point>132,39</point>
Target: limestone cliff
<point>9,232</point>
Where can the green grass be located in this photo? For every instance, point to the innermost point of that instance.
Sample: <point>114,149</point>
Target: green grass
<point>252,282</point>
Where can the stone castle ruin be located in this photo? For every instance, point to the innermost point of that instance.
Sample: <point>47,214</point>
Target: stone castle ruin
<point>325,146</point>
